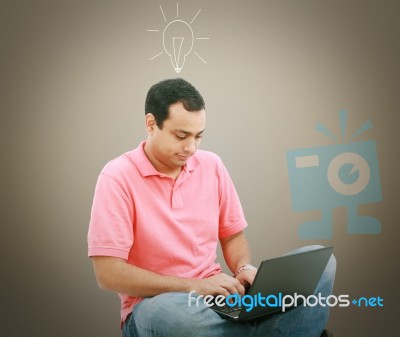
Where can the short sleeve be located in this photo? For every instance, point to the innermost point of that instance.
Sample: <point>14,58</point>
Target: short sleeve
<point>111,222</point>
<point>232,219</point>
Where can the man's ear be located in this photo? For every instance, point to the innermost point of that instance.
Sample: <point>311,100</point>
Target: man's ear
<point>150,123</point>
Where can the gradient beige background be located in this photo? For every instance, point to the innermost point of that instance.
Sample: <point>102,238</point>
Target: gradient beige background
<point>73,79</point>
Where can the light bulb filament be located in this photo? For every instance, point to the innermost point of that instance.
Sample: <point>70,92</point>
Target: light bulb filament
<point>177,43</point>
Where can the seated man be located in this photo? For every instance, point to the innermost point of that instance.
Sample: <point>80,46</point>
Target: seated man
<point>157,216</point>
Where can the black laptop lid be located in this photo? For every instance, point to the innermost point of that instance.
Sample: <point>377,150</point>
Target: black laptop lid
<point>287,275</point>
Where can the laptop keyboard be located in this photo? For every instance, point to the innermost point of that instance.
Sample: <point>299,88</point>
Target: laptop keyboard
<point>226,308</point>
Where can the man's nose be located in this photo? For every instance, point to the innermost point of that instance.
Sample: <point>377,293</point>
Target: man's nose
<point>190,146</point>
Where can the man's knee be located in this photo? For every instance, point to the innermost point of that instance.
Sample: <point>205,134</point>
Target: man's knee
<point>330,269</point>
<point>159,306</point>
<point>169,312</point>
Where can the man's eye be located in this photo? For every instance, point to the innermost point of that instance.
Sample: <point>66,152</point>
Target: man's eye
<point>181,137</point>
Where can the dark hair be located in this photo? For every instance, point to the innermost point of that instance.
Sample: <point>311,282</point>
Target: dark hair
<point>165,93</point>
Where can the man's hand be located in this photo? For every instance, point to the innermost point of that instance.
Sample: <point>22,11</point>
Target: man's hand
<point>246,277</point>
<point>220,284</point>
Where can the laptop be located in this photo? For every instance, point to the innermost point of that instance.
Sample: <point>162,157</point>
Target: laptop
<point>294,275</point>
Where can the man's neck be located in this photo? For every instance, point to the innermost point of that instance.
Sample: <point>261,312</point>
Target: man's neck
<point>160,167</point>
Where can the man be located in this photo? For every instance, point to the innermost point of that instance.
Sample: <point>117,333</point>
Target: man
<point>158,214</point>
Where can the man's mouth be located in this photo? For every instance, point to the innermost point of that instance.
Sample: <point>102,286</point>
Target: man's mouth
<point>183,157</point>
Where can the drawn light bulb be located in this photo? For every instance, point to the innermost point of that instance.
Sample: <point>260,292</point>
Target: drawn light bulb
<point>178,42</point>
<point>178,39</point>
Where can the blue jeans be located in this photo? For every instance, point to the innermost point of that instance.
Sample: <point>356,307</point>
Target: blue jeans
<point>169,315</point>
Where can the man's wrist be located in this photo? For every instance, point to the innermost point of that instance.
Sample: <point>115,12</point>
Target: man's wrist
<point>243,267</point>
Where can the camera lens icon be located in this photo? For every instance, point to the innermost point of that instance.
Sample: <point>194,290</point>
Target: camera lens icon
<point>349,173</point>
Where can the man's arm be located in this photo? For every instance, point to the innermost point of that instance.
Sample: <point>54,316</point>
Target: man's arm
<point>236,252</point>
<point>115,274</point>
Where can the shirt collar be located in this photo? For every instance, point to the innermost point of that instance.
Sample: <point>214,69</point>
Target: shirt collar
<point>146,168</point>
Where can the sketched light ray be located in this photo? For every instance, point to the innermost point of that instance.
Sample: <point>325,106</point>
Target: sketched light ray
<point>163,14</point>
<point>200,57</point>
<point>195,16</point>
<point>156,56</point>
<point>343,115</point>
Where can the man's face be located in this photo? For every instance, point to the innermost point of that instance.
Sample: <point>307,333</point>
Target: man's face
<point>171,147</point>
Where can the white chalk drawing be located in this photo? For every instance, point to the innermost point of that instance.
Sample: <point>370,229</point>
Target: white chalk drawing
<point>178,40</point>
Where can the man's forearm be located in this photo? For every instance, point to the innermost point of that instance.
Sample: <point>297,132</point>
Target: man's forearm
<point>116,275</point>
<point>236,251</point>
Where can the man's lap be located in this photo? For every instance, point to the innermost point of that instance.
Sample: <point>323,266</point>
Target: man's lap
<point>170,314</point>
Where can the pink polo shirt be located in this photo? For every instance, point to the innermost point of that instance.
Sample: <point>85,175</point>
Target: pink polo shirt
<point>166,226</point>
